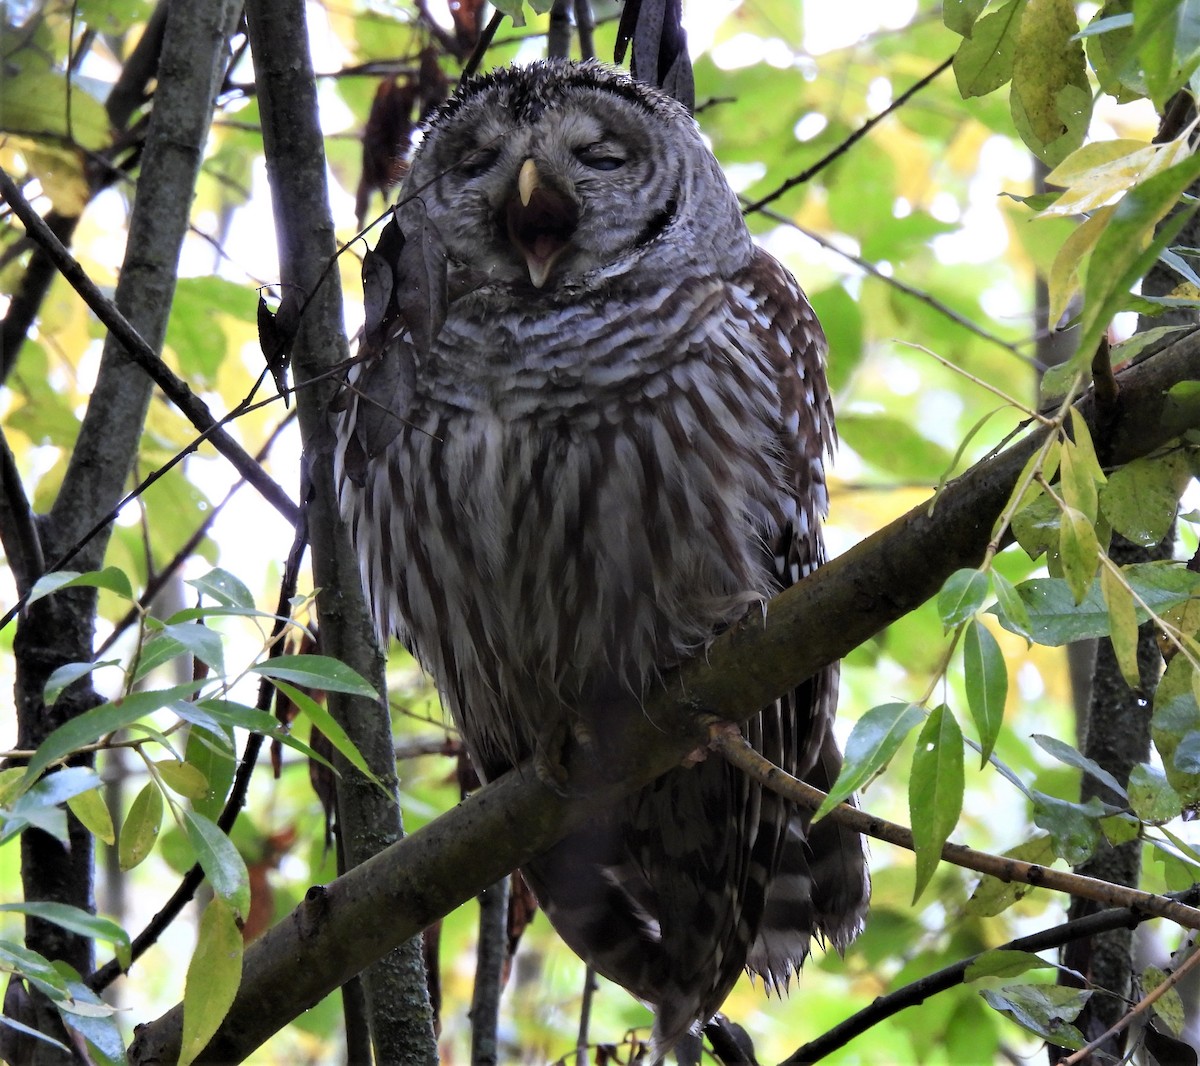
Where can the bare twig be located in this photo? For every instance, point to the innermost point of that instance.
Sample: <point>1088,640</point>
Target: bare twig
<point>737,751</point>
<point>174,387</point>
<point>854,138</point>
<point>1141,1008</point>
<point>917,294</point>
<point>918,991</point>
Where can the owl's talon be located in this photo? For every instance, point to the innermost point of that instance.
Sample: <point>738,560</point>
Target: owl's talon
<point>548,757</point>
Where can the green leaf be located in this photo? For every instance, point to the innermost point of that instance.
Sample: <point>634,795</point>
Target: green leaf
<point>109,578</point>
<point>986,682</point>
<point>1055,618</point>
<point>140,828</point>
<point>20,1027</point>
<point>984,62</point>
<point>213,977</point>
<point>1141,497</point>
<point>1050,99</point>
<point>38,806</point>
<point>90,726</point>
<point>1167,41</point>
<point>328,725</point>
<point>35,968</point>
<point>993,896</point>
<point>960,15</point>
<point>1079,475</point>
<point>204,643</point>
<point>962,595</point>
<point>935,791</point>
<point>1174,724</point>
<point>1122,625</point>
<point>893,445</point>
<point>1036,526</point>
<point>1079,550</point>
<point>1045,1010</point>
<point>1073,826</point>
<point>870,746</point>
<point>78,921</point>
<point>1010,609</point>
<point>223,587</point>
<point>316,672</point>
<point>1151,796</point>
<point>1064,753</point>
<point>1169,1006</point>
<point>68,674</point>
<point>214,761</point>
<point>93,1019</point>
<point>223,865</point>
<point>1003,962</point>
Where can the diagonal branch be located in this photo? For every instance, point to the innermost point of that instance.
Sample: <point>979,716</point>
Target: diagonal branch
<point>737,751</point>
<point>174,388</point>
<point>339,927</point>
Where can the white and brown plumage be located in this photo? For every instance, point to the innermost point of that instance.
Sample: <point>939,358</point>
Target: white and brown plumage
<point>613,447</point>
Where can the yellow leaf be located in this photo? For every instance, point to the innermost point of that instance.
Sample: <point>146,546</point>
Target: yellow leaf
<point>213,977</point>
<point>140,830</point>
<point>1063,282</point>
<point>1079,551</point>
<point>1122,625</point>
<point>91,810</point>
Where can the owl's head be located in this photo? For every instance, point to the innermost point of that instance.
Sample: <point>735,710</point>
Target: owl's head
<point>559,175</point>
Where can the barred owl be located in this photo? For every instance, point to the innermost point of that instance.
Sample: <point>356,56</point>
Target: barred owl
<point>613,447</point>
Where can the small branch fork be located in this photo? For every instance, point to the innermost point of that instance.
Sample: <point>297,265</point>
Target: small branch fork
<point>735,749</point>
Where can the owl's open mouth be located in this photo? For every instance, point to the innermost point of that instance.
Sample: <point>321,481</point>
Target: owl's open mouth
<point>541,222</point>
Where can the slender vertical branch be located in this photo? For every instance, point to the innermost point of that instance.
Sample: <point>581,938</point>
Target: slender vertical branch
<point>397,1000</point>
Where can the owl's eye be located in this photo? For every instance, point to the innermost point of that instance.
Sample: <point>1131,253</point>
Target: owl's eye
<point>478,161</point>
<point>599,157</point>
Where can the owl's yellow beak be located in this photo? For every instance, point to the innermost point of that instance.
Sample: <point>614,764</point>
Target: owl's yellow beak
<point>541,221</point>
<point>528,181</point>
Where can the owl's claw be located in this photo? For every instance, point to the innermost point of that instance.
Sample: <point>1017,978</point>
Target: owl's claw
<point>548,757</point>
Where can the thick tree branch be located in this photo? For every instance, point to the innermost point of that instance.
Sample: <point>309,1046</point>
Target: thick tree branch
<point>337,930</point>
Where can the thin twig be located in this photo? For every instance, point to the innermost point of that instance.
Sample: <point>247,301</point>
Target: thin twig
<point>192,880</point>
<point>737,751</point>
<point>174,387</point>
<point>854,138</point>
<point>917,294</point>
<point>920,990</point>
<point>1141,1008</point>
<point>482,45</point>
<point>159,579</point>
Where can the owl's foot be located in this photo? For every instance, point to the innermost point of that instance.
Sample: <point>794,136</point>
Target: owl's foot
<point>548,756</point>
<point>715,726</point>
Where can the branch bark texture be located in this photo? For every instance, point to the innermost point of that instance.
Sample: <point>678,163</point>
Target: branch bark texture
<point>337,930</point>
<point>368,816</point>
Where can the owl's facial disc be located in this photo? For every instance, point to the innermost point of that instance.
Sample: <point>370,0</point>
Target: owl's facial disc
<point>540,221</point>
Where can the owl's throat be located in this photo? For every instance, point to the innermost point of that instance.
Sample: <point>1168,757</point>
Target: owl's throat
<point>541,223</point>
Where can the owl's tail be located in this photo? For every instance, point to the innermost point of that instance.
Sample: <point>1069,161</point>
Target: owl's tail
<point>821,887</point>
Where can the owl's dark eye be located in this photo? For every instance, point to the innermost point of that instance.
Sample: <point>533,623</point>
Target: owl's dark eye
<point>599,157</point>
<point>478,161</point>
